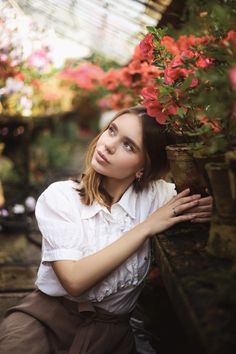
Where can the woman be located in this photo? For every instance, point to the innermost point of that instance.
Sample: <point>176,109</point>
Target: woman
<point>96,249</point>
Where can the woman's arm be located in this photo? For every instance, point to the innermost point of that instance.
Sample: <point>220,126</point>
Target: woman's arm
<point>79,276</point>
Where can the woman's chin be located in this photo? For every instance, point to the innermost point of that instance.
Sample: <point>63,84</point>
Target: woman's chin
<point>97,167</point>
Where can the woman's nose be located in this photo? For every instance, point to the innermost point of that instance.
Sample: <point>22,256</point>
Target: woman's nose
<point>110,147</point>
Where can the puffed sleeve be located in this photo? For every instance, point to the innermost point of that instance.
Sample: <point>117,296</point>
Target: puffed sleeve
<point>161,192</point>
<point>61,230</point>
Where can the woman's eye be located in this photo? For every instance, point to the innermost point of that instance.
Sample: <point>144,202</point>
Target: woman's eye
<point>111,131</point>
<point>128,146</point>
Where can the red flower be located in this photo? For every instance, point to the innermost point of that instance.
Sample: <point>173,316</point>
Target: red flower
<point>203,62</point>
<point>85,75</point>
<point>173,71</point>
<point>230,38</point>
<point>232,76</point>
<point>125,77</point>
<point>213,124</point>
<point>194,83</point>
<point>169,43</point>
<point>154,108</point>
<point>137,53</point>
<point>149,93</point>
<point>186,42</point>
<point>111,79</point>
<point>146,47</point>
<point>19,76</point>
<point>121,100</point>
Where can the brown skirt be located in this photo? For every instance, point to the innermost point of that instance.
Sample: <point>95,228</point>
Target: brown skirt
<point>43,324</point>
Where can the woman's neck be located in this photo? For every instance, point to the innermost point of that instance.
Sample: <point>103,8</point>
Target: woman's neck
<point>115,188</point>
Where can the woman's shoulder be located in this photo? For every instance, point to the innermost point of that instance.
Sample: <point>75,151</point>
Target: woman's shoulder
<point>158,192</point>
<point>59,198</point>
<point>65,185</point>
<point>66,189</point>
<point>162,186</point>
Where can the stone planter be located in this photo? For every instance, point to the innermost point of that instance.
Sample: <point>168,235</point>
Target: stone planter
<point>230,158</point>
<point>184,169</point>
<point>222,239</point>
<point>222,235</point>
<point>201,161</point>
<point>225,206</point>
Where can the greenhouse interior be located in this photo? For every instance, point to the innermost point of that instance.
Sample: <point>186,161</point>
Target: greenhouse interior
<point>118,176</point>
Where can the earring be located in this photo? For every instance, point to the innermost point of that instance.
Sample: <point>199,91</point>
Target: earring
<point>139,177</point>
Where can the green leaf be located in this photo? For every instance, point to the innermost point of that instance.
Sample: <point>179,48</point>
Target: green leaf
<point>151,29</point>
<point>180,112</point>
<point>187,83</point>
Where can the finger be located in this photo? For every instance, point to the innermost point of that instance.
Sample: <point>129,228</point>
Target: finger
<point>185,200</point>
<point>203,215</point>
<point>200,220</point>
<point>184,193</point>
<point>179,195</point>
<point>184,217</point>
<point>179,209</point>
<point>206,200</point>
<point>199,209</point>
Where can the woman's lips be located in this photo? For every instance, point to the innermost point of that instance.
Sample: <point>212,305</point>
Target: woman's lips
<point>101,158</point>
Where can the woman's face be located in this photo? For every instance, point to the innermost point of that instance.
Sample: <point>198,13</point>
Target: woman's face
<point>119,153</point>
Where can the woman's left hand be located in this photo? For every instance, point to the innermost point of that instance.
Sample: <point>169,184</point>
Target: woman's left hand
<point>203,210</point>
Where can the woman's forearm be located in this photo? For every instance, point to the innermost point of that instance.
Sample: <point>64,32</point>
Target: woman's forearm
<point>78,276</point>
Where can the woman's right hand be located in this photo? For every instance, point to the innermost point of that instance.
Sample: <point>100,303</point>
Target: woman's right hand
<point>171,213</point>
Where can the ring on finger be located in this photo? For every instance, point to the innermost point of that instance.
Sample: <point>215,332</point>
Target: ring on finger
<point>174,212</point>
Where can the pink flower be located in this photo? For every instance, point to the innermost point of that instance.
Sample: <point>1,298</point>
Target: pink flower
<point>213,124</point>
<point>85,75</point>
<point>146,47</point>
<point>232,77</point>
<point>121,100</point>
<point>154,108</point>
<point>39,59</point>
<point>149,93</point>
<point>111,79</point>
<point>203,62</point>
<point>169,43</point>
<point>194,82</point>
<point>230,38</point>
<point>125,77</point>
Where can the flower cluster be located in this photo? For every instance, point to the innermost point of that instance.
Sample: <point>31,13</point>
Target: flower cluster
<point>85,75</point>
<point>26,67</point>
<point>124,85</point>
<point>192,70</point>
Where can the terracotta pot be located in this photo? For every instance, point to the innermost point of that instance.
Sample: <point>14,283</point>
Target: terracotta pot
<point>224,204</point>
<point>201,162</point>
<point>230,158</point>
<point>184,170</point>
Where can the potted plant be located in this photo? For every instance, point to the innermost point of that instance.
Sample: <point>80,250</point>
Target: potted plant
<point>185,97</point>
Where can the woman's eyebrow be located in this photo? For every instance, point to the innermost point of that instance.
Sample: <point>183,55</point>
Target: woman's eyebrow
<point>114,126</point>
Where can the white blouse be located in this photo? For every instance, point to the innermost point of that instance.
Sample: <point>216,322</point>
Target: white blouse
<point>72,230</point>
